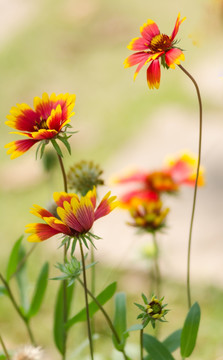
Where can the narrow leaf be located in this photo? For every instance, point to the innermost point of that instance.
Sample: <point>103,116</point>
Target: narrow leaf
<point>172,342</point>
<point>135,327</point>
<point>56,147</point>
<point>22,281</point>
<point>13,259</point>
<point>120,321</point>
<point>190,330</point>
<point>102,298</point>
<point>155,348</point>
<point>58,328</point>
<point>66,143</point>
<point>39,291</point>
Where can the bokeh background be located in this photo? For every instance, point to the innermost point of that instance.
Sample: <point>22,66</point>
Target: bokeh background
<point>79,47</point>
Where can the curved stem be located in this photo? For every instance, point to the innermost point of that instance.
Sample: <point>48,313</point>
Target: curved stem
<point>63,172</point>
<point>141,344</point>
<point>86,301</point>
<point>157,268</point>
<point>14,303</point>
<point>105,315</point>
<point>195,187</point>
<point>4,348</point>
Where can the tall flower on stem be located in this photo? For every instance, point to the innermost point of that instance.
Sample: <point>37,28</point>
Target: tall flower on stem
<point>48,121</point>
<point>75,219</point>
<point>153,47</point>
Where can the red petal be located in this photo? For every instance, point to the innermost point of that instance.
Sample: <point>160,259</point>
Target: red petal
<point>149,30</point>
<point>153,75</point>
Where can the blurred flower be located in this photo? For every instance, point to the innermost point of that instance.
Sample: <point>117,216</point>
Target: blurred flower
<point>83,176</point>
<point>153,46</point>
<point>45,123</point>
<point>75,215</point>
<point>183,169</point>
<point>148,216</point>
<point>179,170</point>
<point>28,353</point>
<point>152,311</point>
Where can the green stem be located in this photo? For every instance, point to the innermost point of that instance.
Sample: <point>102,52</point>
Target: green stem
<point>92,283</point>
<point>64,260</point>
<point>4,348</point>
<point>141,344</point>
<point>105,315</point>
<point>195,187</point>
<point>86,301</point>
<point>22,316</point>
<point>63,172</point>
<point>157,268</point>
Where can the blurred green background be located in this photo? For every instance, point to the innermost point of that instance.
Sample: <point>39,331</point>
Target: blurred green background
<point>79,47</point>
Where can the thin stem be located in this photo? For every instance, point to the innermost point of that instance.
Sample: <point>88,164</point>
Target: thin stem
<point>105,315</point>
<point>64,259</point>
<point>14,303</point>
<point>141,344</point>
<point>196,181</point>
<point>86,301</point>
<point>157,268</point>
<point>92,283</point>
<point>4,348</point>
<point>63,172</point>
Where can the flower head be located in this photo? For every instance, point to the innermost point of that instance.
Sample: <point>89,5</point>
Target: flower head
<point>152,311</point>
<point>83,176</point>
<point>148,216</point>
<point>29,353</point>
<point>152,47</point>
<point>75,215</point>
<point>46,122</point>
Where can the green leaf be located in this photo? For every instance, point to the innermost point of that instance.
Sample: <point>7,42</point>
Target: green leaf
<point>66,143</point>
<point>56,147</point>
<point>102,298</point>
<point>3,357</point>
<point>155,348</point>
<point>172,342</point>
<point>39,291</point>
<point>120,321</point>
<point>58,327</point>
<point>22,281</point>
<point>135,327</point>
<point>13,259</point>
<point>190,330</point>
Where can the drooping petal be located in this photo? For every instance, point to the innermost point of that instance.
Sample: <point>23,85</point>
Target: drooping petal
<point>136,58</point>
<point>176,27</point>
<point>149,30</point>
<point>134,176</point>
<point>40,232</point>
<point>60,197</point>
<point>138,44</point>
<point>22,118</point>
<point>68,217</point>
<point>44,134</point>
<point>58,225</point>
<point>106,205</point>
<point>137,196</point>
<point>174,56</point>
<point>153,74</point>
<point>19,147</point>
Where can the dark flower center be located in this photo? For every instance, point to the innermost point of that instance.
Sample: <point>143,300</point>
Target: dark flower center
<point>156,307</point>
<point>160,42</point>
<point>41,125</point>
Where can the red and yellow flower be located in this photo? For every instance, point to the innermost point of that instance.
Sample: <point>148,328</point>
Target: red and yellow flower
<point>152,47</point>
<point>45,122</point>
<point>76,216</point>
<point>180,170</point>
